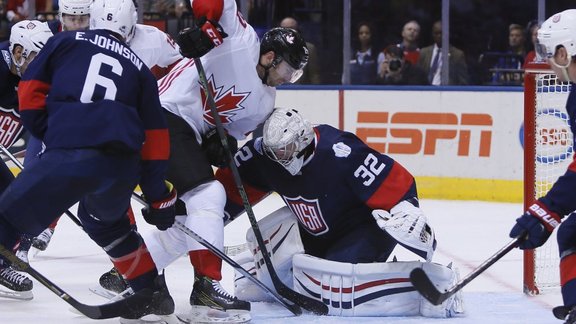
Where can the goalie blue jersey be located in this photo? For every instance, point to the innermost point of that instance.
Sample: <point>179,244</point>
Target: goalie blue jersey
<point>334,193</point>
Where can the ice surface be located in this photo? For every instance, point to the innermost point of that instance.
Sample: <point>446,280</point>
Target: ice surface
<point>468,232</point>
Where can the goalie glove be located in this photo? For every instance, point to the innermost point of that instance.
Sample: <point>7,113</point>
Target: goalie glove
<point>407,224</point>
<point>200,38</point>
<point>162,213</point>
<point>537,224</point>
<point>215,152</point>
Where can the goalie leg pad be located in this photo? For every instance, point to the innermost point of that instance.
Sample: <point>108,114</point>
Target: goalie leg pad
<point>363,289</point>
<point>282,240</point>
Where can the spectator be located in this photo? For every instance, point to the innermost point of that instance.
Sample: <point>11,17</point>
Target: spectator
<point>516,40</point>
<point>531,39</point>
<point>311,71</point>
<point>16,10</point>
<point>395,70</point>
<point>363,68</point>
<point>430,60</point>
<point>410,35</point>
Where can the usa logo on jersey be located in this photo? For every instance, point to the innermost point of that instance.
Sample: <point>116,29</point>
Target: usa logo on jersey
<point>10,127</point>
<point>308,213</point>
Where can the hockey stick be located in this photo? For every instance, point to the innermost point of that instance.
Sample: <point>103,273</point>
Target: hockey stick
<point>306,302</point>
<point>125,307</point>
<point>21,167</point>
<point>426,287</point>
<point>295,309</point>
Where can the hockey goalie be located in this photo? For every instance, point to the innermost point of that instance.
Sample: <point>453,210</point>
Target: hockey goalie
<point>347,208</point>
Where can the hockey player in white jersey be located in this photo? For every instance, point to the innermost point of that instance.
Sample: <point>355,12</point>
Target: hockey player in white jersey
<point>241,74</point>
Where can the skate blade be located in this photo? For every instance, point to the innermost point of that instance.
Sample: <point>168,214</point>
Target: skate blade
<point>20,295</point>
<point>152,319</point>
<point>204,314</point>
<point>98,290</point>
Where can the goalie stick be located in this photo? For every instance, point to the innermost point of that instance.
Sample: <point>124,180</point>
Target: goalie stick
<point>305,302</point>
<point>426,287</point>
<point>123,307</point>
<point>295,309</point>
<point>21,167</point>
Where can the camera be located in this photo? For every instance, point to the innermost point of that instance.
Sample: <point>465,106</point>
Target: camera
<point>395,65</point>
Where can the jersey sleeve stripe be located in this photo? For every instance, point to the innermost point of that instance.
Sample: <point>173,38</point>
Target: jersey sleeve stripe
<point>32,94</point>
<point>392,189</point>
<point>157,145</point>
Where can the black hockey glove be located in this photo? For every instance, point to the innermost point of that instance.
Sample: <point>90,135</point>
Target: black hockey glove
<point>538,222</point>
<point>200,38</point>
<point>215,152</point>
<point>162,212</point>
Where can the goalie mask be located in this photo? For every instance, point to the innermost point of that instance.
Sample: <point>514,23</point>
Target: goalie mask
<point>27,37</point>
<point>118,16</point>
<point>74,14</point>
<point>286,135</point>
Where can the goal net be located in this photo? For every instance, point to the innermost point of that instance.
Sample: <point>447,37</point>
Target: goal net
<point>548,150</point>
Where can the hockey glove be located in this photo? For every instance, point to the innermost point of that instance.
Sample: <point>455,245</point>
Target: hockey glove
<point>215,152</point>
<point>407,224</point>
<point>200,38</point>
<point>538,223</point>
<point>162,212</point>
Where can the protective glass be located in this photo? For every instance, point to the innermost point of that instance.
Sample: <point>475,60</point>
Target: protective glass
<point>75,22</point>
<point>288,73</point>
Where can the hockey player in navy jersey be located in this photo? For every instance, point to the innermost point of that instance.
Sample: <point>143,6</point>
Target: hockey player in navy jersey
<point>352,206</point>
<point>242,74</point>
<point>95,106</point>
<point>27,37</point>
<point>557,45</point>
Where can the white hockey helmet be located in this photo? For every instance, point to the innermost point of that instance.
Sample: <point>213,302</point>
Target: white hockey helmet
<point>558,30</point>
<point>118,16</point>
<point>74,7</point>
<point>32,35</point>
<point>285,136</point>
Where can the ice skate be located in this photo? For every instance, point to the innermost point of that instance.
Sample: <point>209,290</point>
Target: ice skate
<point>113,281</point>
<point>14,285</point>
<point>41,241</point>
<point>22,249</point>
<point>210,303</point>
<point>159,311</point>
<point>565,313</point>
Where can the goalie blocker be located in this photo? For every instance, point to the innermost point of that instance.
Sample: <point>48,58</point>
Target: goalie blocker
<point>363,289</point>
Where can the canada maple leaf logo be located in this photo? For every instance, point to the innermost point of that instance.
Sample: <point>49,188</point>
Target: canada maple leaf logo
<point>228,102</point>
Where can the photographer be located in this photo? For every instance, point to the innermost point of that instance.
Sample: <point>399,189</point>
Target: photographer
<point>395,70</point>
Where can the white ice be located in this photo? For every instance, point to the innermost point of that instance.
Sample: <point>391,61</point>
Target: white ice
<point>468,232</point>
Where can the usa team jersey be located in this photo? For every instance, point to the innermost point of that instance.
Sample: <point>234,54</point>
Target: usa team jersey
<point>87,89</point>
<point>334,193</point>
<point>155,48</point>
<point>10,126</point>
<point>243,102</point>
<point>560,198</point>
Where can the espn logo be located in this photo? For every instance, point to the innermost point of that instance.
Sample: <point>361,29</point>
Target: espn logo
<point>421,133</point>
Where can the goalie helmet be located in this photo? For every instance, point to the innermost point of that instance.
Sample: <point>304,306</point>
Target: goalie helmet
<point>558,30</point>
<point>287,45</point>
<point>118,16</point>
<point>286,135</point>
<point>32,35</point>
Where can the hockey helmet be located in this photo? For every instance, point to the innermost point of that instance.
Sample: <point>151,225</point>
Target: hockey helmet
<point>118,16</point>
<point>558,30</point>
<point>286,135</point>
<point>32,35</point>
<point>74,14</point>
<point>288,46</point>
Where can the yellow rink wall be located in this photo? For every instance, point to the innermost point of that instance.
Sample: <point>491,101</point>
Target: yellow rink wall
<point>460,143</point>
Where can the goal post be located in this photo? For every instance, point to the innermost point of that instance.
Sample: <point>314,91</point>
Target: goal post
<point>548,150</point>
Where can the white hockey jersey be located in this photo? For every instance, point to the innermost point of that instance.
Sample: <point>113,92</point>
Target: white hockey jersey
<point>154,47</point>
<point>242,101</point>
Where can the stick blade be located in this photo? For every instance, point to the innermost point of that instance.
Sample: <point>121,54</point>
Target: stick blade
<point>426,287</point>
